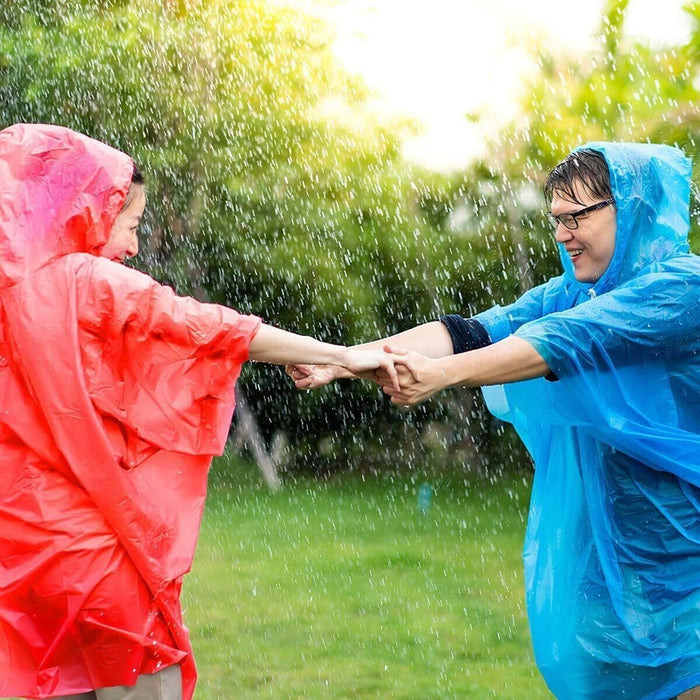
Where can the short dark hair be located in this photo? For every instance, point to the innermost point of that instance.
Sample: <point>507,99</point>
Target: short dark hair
<point>585,169</point>
<point>136,176</point>
<point>136,179</point>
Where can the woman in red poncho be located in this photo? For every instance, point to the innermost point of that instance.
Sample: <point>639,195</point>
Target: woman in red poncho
<point>116,393</point>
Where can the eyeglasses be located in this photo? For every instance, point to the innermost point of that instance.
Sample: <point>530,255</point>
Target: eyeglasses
<point>570,221</point>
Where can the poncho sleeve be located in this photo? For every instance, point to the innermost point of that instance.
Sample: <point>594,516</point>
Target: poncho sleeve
<point>136,386</point>
<point>162,365</point>
<point>654,316</point>
<point>629,369</point>
<point>502,321</point>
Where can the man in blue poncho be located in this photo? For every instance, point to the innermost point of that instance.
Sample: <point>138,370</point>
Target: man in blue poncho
<point>599,371</point>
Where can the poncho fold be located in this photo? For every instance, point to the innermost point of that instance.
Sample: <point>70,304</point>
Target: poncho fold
<point>116,393</point>
<point>612,549</point>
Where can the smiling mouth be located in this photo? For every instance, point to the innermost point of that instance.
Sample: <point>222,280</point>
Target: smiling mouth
<point>574,253</point>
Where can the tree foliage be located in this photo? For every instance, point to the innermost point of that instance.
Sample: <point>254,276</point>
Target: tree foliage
<point>272,190</point>
<point>269,190</point>
<point>624,90</point>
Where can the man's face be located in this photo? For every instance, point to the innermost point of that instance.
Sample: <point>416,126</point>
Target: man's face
<point>591,245</point>
<point>123,242</point>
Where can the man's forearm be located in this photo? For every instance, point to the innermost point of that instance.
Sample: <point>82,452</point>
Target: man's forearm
<point>429,339</point>
<point>510,360</point>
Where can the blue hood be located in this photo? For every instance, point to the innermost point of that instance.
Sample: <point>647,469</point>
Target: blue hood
<point>651,187</point>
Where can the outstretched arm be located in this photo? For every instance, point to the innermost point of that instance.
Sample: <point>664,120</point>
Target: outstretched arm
<point>429,339</point>
<point>510,360</point>
<point>277,346</point>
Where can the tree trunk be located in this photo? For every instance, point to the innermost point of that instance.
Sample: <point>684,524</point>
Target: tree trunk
<point>249,434</point>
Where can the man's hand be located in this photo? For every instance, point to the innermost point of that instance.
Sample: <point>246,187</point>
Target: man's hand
<point>367,364</point>
<point>419,377</point>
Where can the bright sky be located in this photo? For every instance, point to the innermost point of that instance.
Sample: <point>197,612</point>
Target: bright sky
<point>441,60</point>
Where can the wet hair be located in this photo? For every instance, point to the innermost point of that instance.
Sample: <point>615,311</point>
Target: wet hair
<point>584,170</point>
<point>136,179</point>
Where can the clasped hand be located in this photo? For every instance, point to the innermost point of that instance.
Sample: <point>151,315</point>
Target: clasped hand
<point>409,378</point>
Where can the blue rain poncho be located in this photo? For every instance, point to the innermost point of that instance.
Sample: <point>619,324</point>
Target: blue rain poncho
<point>612,550</point>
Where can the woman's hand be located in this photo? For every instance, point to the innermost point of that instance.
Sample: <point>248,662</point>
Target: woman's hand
<point>368,363</point>
<point>419,377</point>
<point>314,376</point>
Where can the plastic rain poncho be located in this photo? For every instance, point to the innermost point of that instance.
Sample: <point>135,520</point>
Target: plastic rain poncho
<point>115,394</point>
<point>612,550</point>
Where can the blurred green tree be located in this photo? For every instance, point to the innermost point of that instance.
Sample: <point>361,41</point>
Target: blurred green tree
<point>273,190</point>
<point>625,90</point>
<point>270,190</point>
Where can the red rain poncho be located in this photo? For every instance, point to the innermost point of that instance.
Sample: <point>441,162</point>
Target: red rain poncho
<point>115,395</point>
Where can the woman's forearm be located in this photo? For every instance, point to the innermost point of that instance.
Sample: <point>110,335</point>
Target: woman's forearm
<point>274,345</point>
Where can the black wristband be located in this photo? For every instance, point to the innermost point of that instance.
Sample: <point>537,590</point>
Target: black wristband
<point>466,333</point>
<point>469,334</point>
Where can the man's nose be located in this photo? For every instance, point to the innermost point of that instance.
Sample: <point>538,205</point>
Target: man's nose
<point>563,234</point>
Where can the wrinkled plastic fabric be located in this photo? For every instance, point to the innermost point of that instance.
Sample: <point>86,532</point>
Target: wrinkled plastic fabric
<point>116,393</point>
<point>612,550</point>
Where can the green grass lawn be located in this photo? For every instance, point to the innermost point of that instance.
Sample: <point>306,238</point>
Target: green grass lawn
<point>348,589</point>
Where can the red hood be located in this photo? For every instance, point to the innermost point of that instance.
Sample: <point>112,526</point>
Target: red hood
<point>60,192</point>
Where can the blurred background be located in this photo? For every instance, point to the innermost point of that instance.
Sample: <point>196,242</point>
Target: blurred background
<point>349,169</point>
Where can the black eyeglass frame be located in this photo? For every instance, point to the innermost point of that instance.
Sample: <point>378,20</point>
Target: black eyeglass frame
<point>566,220</point>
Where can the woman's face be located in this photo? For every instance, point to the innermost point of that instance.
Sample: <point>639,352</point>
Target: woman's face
<point>123,242</point>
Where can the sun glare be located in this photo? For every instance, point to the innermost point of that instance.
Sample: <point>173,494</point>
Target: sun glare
<point>459,66</point>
